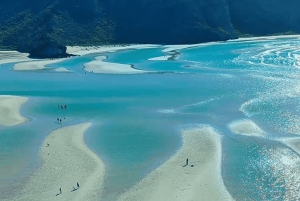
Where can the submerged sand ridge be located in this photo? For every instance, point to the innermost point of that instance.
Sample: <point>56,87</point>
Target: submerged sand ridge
<point>65,160</point>
<point>172,181</point>
<point>10,110</point>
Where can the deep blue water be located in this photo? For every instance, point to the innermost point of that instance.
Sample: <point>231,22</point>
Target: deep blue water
<point>137,118</point>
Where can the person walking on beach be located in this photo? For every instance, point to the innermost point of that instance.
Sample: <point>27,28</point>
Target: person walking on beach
<point>57,120</point>
<point>60,191</point>
<point>65,107</point>
<point>77,185</point>
<point>62,107</point>
<point>186,162</point>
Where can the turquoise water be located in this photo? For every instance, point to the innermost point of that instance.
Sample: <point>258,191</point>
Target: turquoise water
<point>137,118</point>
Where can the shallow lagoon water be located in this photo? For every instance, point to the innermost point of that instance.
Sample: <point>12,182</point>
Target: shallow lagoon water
<point>137,118</point>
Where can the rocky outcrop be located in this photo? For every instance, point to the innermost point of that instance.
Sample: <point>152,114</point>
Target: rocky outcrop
<point>49,50</point>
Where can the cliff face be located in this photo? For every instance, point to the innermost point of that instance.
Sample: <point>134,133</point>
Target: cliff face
<point>262,17</point>
<point>26,24</point>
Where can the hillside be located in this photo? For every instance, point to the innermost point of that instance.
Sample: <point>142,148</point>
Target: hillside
<point>25,24</point>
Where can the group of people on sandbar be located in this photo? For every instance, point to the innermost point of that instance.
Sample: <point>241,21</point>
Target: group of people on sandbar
<point>74,189</point>
<point>63,107</point>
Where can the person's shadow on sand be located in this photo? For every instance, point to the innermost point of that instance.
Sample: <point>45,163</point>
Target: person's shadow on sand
<point>59,192</point>
<point>74,189</point>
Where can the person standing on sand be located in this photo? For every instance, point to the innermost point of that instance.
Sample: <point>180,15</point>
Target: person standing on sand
<point>60,191</point>
<point>186,162</point>
<point>77,185</point>
<point>65,107</point>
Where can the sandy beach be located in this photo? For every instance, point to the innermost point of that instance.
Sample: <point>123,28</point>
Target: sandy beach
<point>10,110</point>
<point>172,181</point>
<point>100,66</point>
<point>246,127</point>
<point>64,162</point>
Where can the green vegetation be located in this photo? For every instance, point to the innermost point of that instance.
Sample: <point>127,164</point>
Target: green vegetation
<point>26,30</point>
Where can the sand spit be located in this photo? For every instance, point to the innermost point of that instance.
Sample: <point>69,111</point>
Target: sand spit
<point>64,162</point>
<point>172,181</point>
<point>36,64</point>
<point>246,127</point>
<point>10,110</point>
<point>12,56</point>
<point>100,66</point>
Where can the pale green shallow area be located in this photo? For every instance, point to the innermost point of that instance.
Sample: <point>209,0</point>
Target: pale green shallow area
<point>137,118</point>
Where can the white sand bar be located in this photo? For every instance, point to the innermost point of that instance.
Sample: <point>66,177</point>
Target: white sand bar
<point>100,66</point>
<point>173,182</point>
<point>246,127</point>
<point>66,161</point>
<point>35,64</point>
<point>10,110</point>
